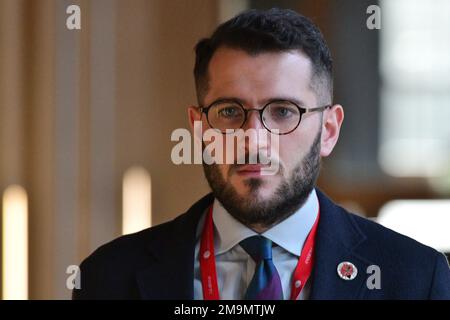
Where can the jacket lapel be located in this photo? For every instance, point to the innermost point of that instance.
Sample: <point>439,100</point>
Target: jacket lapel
<point>171,274</point>
<point>338,238</point>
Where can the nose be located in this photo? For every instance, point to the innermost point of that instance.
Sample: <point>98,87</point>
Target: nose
<point>257,139</point>
<point>253,120</point>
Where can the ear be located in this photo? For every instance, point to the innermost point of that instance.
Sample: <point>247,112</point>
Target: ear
<point>193,115</point>
<point>331,126</point>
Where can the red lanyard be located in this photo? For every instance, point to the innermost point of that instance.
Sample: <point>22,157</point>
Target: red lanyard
<point>208,261</point>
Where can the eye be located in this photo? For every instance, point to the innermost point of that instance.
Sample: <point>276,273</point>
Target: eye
<point>229,111</point>
<point>282,112</point>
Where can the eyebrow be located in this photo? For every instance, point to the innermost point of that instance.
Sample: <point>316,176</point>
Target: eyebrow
<point>297,101</point>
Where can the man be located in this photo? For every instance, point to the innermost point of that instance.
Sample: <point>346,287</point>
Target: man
<point>266,236</point>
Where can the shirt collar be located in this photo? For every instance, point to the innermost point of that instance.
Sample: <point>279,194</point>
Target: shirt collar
<point>290,234</point>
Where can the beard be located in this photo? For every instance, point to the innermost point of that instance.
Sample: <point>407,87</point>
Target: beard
<point>289,196</point>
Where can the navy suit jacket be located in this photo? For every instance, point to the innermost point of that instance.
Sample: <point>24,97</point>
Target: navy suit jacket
<point>158,263</point>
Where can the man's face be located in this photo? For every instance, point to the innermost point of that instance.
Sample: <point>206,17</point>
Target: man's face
<point>251,197</point>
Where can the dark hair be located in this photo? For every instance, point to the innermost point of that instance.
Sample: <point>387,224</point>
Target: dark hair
<point>274,30</point>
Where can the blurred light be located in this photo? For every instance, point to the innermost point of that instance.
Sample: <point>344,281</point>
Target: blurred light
<point>414,157</point>
<point>426,221</point>
<point>15,243</point>
<point>415,92</point>
<point>136,199</point>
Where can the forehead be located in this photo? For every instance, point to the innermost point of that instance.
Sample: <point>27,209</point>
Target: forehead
<point>255,78</point>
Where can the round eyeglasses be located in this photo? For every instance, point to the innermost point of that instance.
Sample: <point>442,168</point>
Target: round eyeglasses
<point>278,116</point>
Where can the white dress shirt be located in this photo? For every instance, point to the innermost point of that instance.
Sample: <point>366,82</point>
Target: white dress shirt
<point>235,268</point>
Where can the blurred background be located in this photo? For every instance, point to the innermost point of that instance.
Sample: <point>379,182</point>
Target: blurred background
<point>86,118</point>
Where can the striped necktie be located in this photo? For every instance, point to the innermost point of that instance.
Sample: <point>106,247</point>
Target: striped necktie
<point>266,283</point>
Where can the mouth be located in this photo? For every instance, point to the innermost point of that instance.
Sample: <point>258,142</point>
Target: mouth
<point>251,170</point>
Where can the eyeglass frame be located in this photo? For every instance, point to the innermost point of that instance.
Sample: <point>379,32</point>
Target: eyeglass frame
<point>302,111</point>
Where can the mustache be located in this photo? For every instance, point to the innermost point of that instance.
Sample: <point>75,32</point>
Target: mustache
<point>261,158</point>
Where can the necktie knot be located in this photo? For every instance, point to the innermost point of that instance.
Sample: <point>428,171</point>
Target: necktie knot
<point>258,247</point>
<point>266,283</point>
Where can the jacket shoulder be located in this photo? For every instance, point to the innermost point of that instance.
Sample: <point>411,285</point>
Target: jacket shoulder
<point>405,262</point>
<point>109,272</point>
<point>130,244</point>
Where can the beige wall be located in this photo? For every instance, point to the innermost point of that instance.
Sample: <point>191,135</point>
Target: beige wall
<point>77,108</point>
